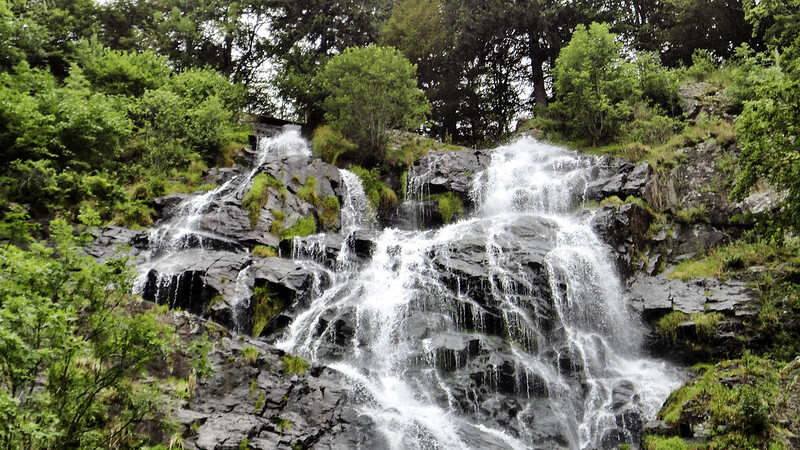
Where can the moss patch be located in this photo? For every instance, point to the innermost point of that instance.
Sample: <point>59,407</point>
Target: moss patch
<point>266,306</point>
<point>264,251</point>
<point>381,196</point>
<point>304,227</point>
<point>294,365</point>
<point>258,194</point>
<point>450,206</point>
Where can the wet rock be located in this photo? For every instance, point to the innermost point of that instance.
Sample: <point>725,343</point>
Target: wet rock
<point>691,95</point>
<point>447,171</point>
<point>167,203</point>
<point>115,242</point>
<point>623,228</point>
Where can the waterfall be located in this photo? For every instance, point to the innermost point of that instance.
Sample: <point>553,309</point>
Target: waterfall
<point>504,330</point>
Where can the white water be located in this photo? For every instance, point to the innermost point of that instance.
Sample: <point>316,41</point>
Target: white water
<point>184,229</point>
<point>392,359</point>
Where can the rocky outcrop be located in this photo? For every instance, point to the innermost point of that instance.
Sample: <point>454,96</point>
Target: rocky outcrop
<point>254,397</point>
<point>624,228</point>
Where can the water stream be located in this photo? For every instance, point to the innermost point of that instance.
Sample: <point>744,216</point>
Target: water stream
<point>504,330</point>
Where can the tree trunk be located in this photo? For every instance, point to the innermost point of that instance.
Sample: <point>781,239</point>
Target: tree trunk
<point>538,57</point>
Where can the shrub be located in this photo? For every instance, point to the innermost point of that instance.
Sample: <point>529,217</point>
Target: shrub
<point>294,365</point>
<point>667,326</point>
<point>370,90</point>
<point>450,207</point>
<point>328,144</point>
<point>329,212</point>
<point>381,197</point>
<point>250,354</point>
<point>702,64</point>
<point>264,251</point>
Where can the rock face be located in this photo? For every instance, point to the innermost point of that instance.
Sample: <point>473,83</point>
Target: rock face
<point>623,228</point>
<point>259,401</point>
<point>445,171</point>
<point>732,300</point>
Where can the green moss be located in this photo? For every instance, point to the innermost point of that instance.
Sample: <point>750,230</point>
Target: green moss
<point>267,304</point>
<point>294,365</point>
<point>257,196</point>
<point>736,256</point>
<point>329,212</point>
<point>667,326</point>
<point>259,402</point>
<point>308,192</point>
<point>303,227</point>
<point>244,444</point>
<point>250,354</point>
<point>450,207</point>
<point>264,251</point>
<point>283,424</point>
<point>276,226</point>
<point>381,197</point>
<point>706,323</point>
<point>693,215</point>
<point>664,443</point>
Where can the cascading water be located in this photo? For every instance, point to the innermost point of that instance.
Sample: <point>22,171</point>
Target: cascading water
<point>504,330</point>
<point>184,230</point>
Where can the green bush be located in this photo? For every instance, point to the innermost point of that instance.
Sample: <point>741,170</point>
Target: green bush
<point>119,72</point>
<point>75,360</point>
<point>264,251</point>
<point>369,91</point>
<point>594,84</point>
<point>703,64</point>
<point>294,365</point>
<point>328,144</point>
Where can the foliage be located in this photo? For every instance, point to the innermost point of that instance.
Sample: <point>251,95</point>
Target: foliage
<point>250,354</point>
<point>370,90</point>
<point>258,194</point>
<point>118,72</point>
<point>722,261</point>
<point>264,251</point>
<point>294,365</point>
<point>667,325</point>
<point>303,227</point>
<point>308,192</point>
<point>767,130</point>
<point>450,207</point>
<point>593,84</point>
<point>267,304</point>
<point>329,211</point>
<point>381,197</point>
<point>73,360</point>
<point>328,144</point>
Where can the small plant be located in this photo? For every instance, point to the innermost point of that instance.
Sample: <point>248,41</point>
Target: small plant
<point>667,326</point>
<point>282,424</point>
<point>294,365</point>
<point>250,354</point>
<point>266,306</point>
<point>303,227</point>
<point>308,192</point>
<point>264,251</point>
<point>329,212</point>
<point>450,207</point>
<point>260,402</point>
<point>276,226</point>
<point>706,324</point>
<point>244,444</point>
<point>693,215</point>
<point>257,196</point>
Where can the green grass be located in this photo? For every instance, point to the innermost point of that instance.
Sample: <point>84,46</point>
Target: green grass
<point>381,196</point>
<point>450,206</point>
<point>329,212</point>
<point>258,194</point>
<point>278,216</point>
<point>722,261</point>
<point>250,354</point>
<point>693,215</point>
<point>294,365</point>
<point>267,304</point>
<point>404,148</point>
<point>706,324</point>
<point>665,443</point>
<point>303,227</point>
<point>738,413</point>
<point>264,251</point>
<point>667,325</point>
<point>308,192</point>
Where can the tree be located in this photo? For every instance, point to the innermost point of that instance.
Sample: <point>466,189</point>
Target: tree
<point>768,128</point>
<point>73,362</point>
<point>369,90</point>
<point>594,84</point>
